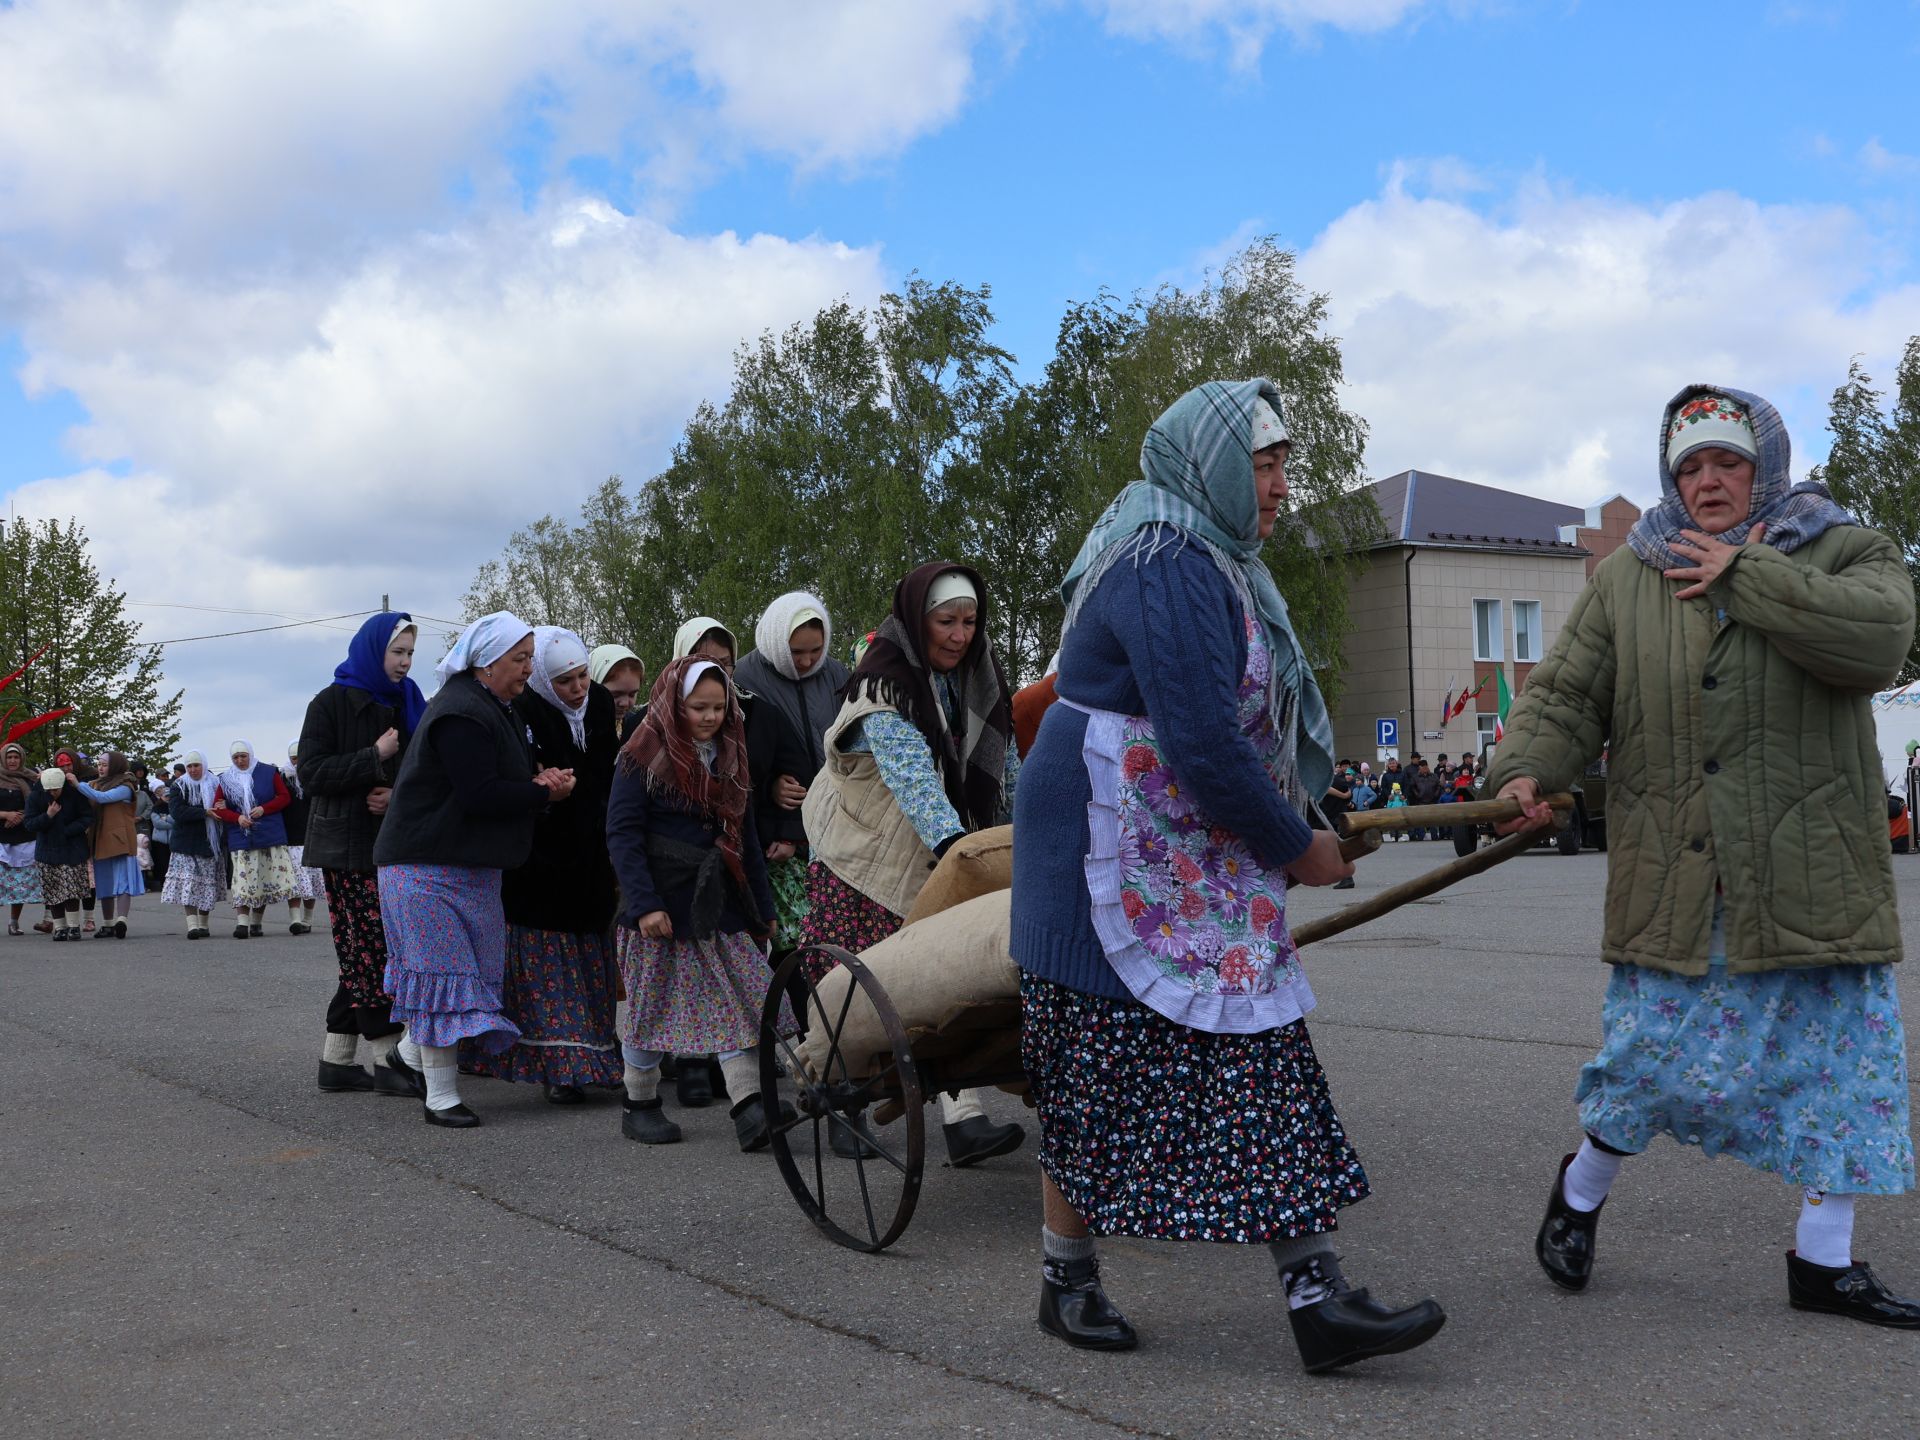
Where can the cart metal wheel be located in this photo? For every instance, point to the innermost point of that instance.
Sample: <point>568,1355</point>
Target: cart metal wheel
<point>865,1202</point>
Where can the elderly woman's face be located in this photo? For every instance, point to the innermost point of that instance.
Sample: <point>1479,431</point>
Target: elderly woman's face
<point>12,761</point>
<point>948,632</point>
<point>1716,486</point>
<point>508,676</point>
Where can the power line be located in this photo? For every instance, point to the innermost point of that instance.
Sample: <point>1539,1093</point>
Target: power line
<point>261,629</point>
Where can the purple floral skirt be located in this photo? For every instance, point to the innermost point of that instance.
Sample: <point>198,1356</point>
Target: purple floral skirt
<point>559,989</point>
<point>1157,1131</point>
<point>838,914</point>
<point>446,954</point>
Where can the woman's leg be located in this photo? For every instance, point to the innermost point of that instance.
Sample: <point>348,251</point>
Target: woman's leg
<point>640,1115</point>
<point>1073,1306</point>
<point>1565,1245</point>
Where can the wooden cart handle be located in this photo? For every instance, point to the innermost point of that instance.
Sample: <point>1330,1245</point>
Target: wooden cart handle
<point>1460,812</point>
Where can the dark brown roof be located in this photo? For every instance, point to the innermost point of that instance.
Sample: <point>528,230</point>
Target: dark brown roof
<point>1422,508</point>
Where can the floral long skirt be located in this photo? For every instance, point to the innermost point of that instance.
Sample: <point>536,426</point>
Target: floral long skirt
<point>261,877</point>
<point>1154,1130</point>
<point>559,989</point>
<point>196,880</point>
<point>838,914</point>
<point>788,879</point>
<point>361,1005</point>
<point>64,884</point>
<point>20,884</point>
<point>695,997</point>
<point>446,954</point>
<point>1799,1073</point>
<point>309,883</point>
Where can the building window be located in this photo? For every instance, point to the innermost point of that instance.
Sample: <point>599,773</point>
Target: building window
<point>1486,630</point>
<point>1485,724</point>
<point>1526,631</point>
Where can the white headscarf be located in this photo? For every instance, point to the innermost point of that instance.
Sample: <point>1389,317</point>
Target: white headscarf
<point>695,672</point>
<point>482,643</point>
<point>237,784</point>
<point>555,652</point>
<point>292,772</point>
<point>604,657</point>
<point>688,636</point>
<point>773,636</point>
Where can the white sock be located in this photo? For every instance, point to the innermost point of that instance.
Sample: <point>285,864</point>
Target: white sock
<point>1590,1176</point>
<point>306,912</point>
<point>206,919</point>
<point>964,1106</point>
<point>193,919</point>
<point>642,1082</point>
<point>409,1052</point>
<point>441,1065</point>
<point>1064,1247</point>
<point>741,1068</point>
<point>340,1049</point>
<point>1825,1233</point>
<point>383,1047</point>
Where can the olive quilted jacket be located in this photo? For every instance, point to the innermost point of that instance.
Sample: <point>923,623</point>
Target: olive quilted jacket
<point>1741,750</point>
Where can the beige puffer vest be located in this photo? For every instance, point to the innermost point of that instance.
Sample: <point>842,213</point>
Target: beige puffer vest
<point>854,825</point>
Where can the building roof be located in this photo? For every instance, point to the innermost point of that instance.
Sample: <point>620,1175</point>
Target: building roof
<point>1425,509</point>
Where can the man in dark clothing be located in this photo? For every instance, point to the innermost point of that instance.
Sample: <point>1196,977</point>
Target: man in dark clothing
<point>1423,789</point>
<point>1335,803</point>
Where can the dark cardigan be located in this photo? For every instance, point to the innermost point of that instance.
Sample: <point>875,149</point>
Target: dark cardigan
<point>60,839</point>
<point>13,812</point>
<point>338,767</point>
<point>636,810</point>
<point>567,882</point>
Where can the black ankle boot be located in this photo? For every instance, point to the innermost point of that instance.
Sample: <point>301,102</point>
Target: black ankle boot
<point>643,1121</point>
<point>1852,1290</point>
<point>1075,1308</point>
<point>1348,1324</point>
<point>1564,1246</point>
<point>977,1138</point>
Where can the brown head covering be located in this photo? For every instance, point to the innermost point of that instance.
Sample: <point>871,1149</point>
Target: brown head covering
<point>972,756</point>
<point>21,779</point>
<point>661,746</point>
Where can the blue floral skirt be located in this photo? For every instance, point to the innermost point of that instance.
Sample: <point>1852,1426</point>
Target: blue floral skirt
<point>1158,1131</point>
<point>446,954</point>
<point>1799,1073</point>
<point>559,989</point>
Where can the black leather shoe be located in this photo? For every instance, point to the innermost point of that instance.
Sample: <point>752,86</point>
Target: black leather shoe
<point>1350,1324</point>
<point>647,1123</point>
<point>60,934</point>
<point>119,929</point>
<point>750,1123</point>
<point>198,932</point>
<point>398,1072</point>
<point>335,1078</point>
<point>1346,884</point>
<point>977,1138</point>
<point>105,932</point>
<point>455,1117</point>
<point>566,1095</point>
<point>847,1145</point>
<point>693,1085</point>
<point>1075,1308</point>
<point>240,932</point>
<point>256,931</point>
<point>1853,1291</point>
<point>1564,1246</point>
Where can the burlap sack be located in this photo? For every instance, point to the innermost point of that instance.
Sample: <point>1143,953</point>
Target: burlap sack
<point>976,865</point>
<point>931,972</point>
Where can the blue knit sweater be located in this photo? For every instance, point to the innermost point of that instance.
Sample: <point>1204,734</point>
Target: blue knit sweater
<point>1165,639</point>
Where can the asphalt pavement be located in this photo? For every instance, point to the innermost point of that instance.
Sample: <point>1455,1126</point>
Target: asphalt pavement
<point>194,1241</point>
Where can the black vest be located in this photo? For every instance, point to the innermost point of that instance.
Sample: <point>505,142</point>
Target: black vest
<point>424,826</point>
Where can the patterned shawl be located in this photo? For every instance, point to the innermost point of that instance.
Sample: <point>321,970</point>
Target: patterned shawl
<point>661,746</point>
<point>894,671</point>
<point>1196,469</point>
<point>1794,514</point>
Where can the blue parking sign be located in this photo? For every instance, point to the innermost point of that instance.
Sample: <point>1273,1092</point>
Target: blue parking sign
<point>1386,732</point>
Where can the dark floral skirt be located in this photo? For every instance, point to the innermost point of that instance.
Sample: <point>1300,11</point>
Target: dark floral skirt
<point>359,940</point>
<point>1159,1132</point>
<point>559,989</point>
<point>838,914</point>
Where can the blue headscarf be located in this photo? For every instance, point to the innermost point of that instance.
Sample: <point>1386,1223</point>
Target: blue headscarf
<point>365,668</point>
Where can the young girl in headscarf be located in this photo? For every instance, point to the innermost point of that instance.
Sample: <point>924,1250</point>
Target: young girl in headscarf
<point>252,796</point>
<point>559,983</point>
<point>196,874</point>
<point>19,872</point>
<point>308,883</point>
<point>57,818</point>
<point>693,878</point>
<point>115,851</point>
<point>623,675</point>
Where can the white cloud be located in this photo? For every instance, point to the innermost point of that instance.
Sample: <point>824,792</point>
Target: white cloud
<point>1245,26</point>
<point>198,125</point>
<point>304,447</point>
<point>1533,343</point>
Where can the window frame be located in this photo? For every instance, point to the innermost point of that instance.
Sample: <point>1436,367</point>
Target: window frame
<point>1483,723</point>
<point>1539,615</point>
<point>1495,628</point>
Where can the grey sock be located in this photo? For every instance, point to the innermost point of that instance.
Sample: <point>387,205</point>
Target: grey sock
<point>1064,1247</point>
<point>1309,1270</point>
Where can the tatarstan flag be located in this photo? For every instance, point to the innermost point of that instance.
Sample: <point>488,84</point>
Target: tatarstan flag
<point>1505,698</point>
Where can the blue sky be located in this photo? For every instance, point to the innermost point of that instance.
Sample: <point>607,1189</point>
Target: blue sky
<point>401,280</point>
